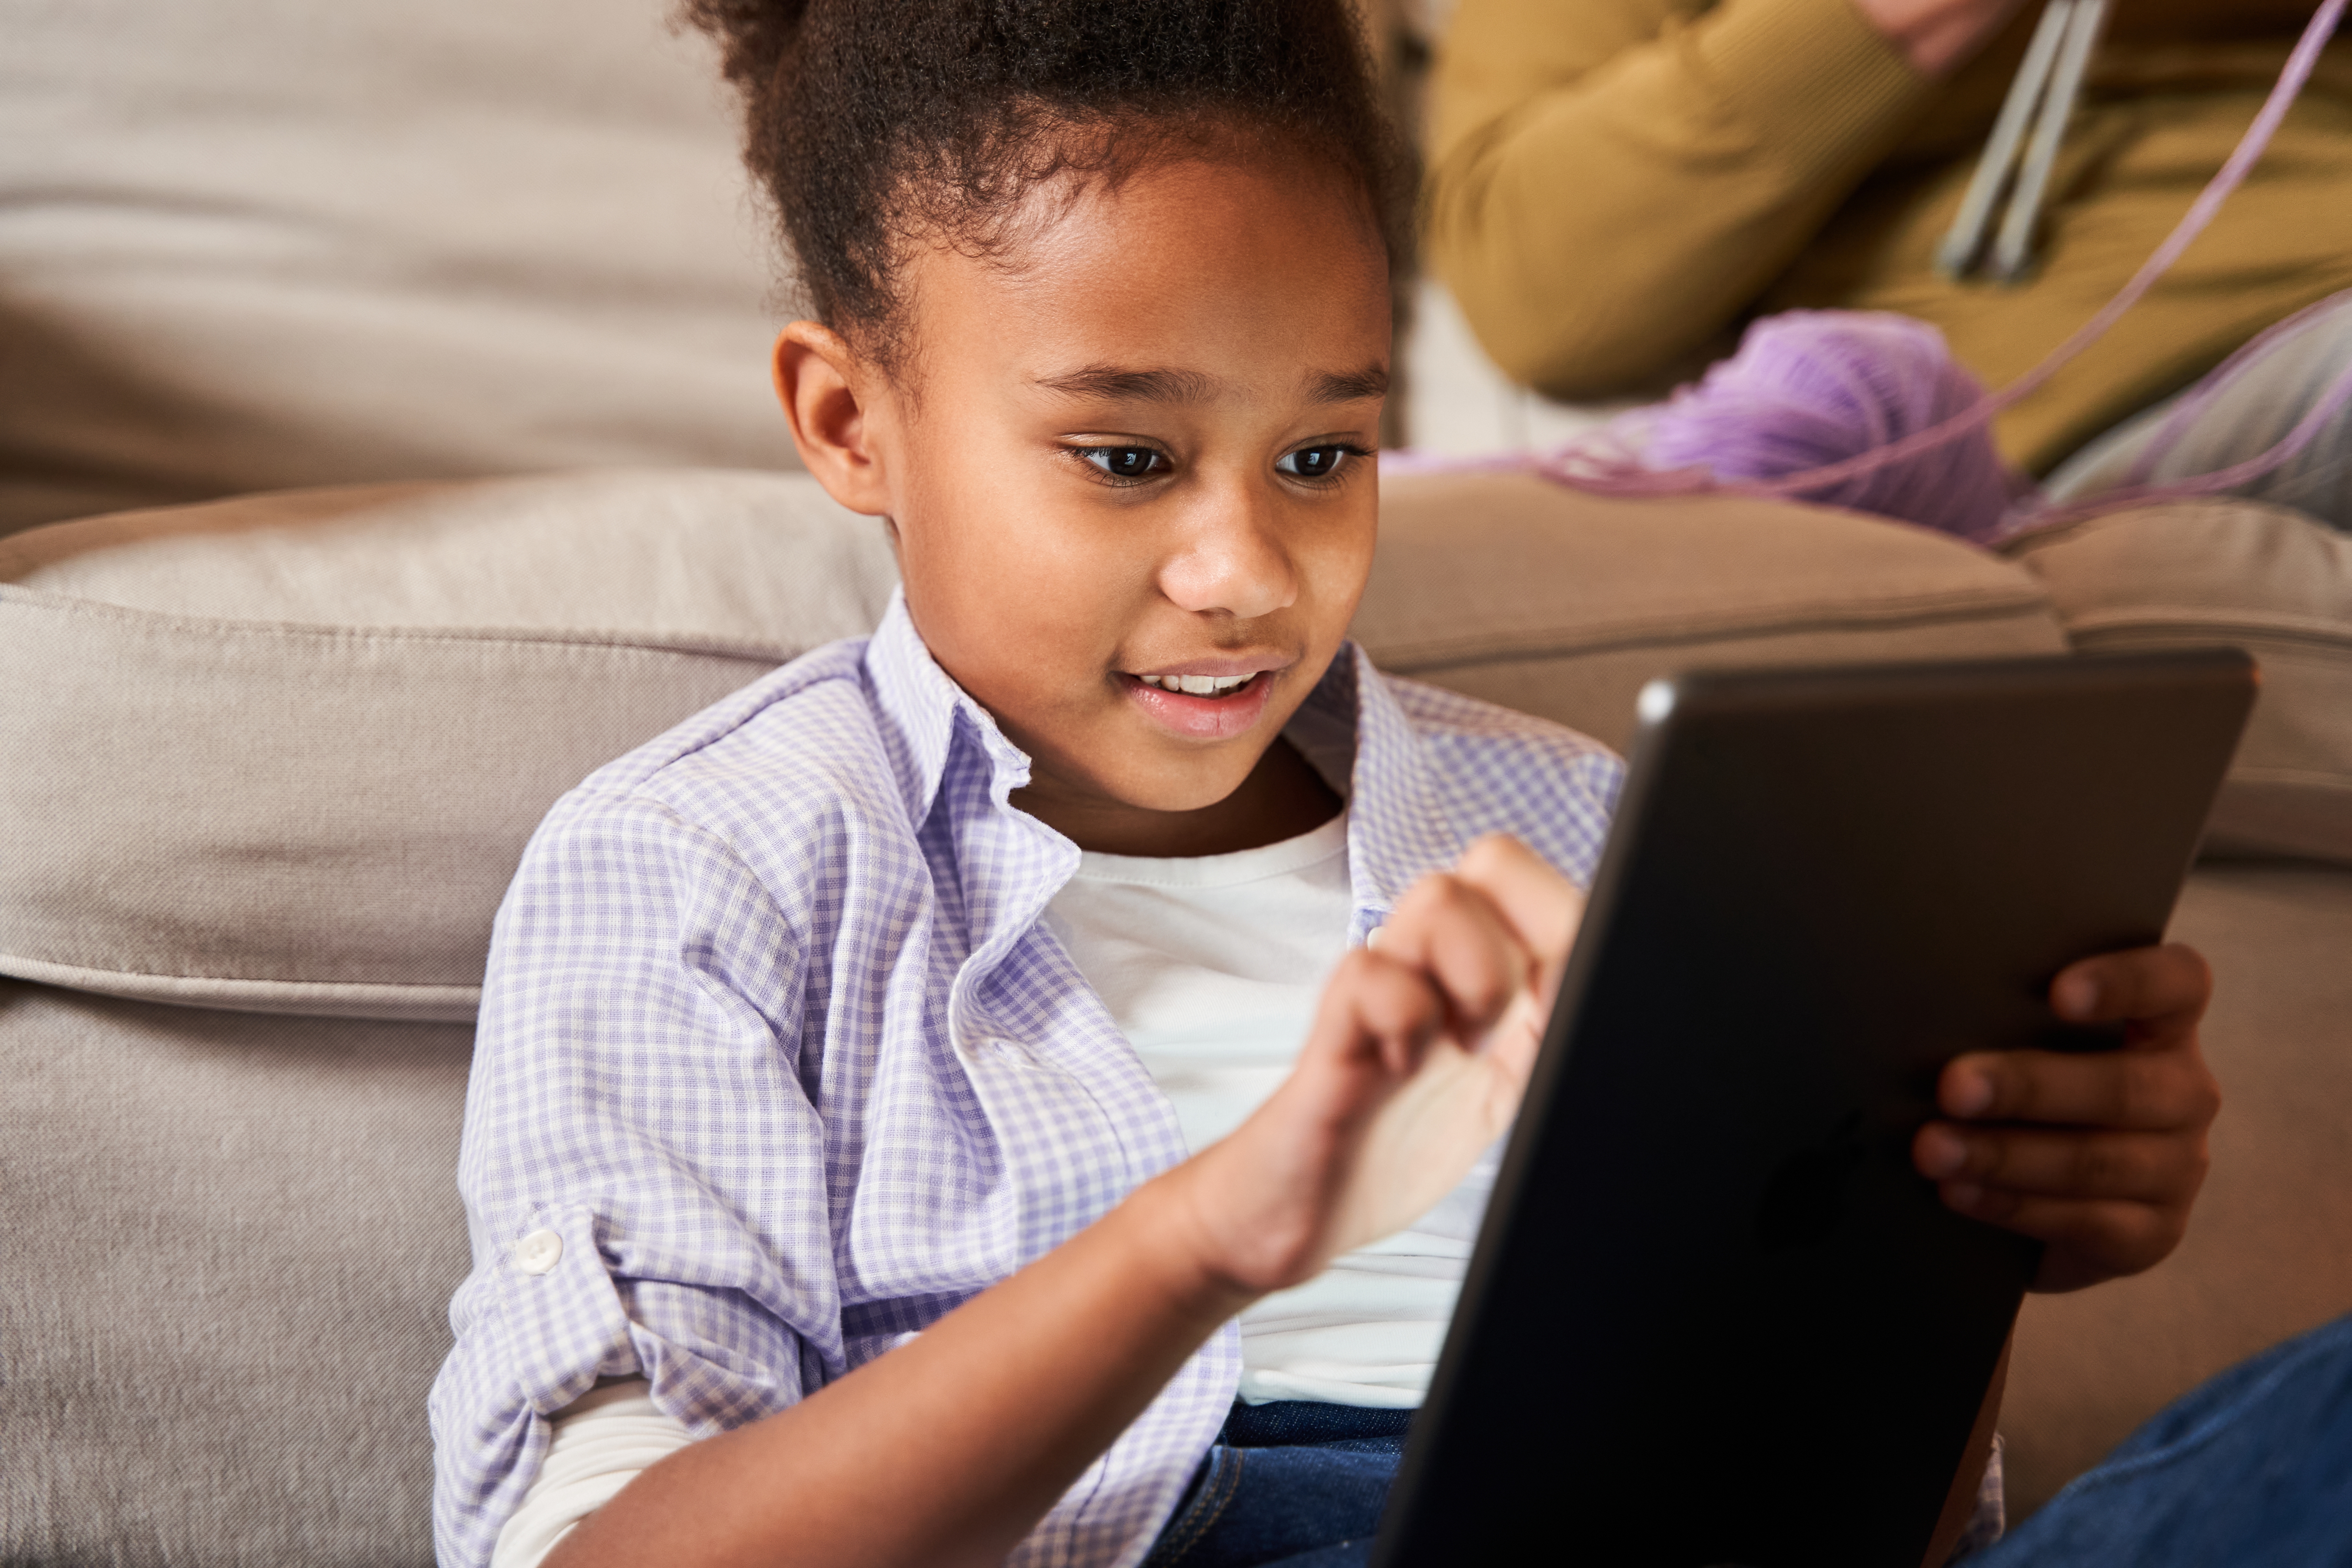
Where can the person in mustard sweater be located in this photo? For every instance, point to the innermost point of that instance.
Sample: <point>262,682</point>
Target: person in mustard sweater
<point>1617,184</point>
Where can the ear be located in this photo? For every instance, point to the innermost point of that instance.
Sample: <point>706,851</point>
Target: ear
<point>830,396</point>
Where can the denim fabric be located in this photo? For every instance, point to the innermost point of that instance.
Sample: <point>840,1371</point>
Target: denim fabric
<point>1294,1482</point>
<point>2251,1470</point>
<point>1285,1421</point>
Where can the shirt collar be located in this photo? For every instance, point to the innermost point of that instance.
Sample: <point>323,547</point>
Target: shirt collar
<point>1398,828</point>
<point>920,706</point>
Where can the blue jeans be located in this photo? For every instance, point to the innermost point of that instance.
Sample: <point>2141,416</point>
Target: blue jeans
<point>1293,1482</point>
<point>2251,1470</point>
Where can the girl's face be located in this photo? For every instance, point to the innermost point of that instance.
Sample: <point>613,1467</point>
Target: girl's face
<point>1129,469</point>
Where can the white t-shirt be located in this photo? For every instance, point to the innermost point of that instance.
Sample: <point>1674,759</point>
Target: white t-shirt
<point>602,1440</point>
<point>1212,966</point>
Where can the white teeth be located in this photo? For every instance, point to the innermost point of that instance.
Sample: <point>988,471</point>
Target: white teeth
<point>1197,684</point>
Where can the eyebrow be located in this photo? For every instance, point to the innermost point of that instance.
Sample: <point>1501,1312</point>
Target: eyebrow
<point>1110,383</point>
<point>1333,386</point>
<point>1113,384</point>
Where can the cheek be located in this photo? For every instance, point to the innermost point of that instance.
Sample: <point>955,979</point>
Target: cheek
<point>1022,606</point>
<point>1337,560</point>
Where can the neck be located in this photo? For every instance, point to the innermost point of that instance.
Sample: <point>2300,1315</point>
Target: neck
<point>1282,798</point>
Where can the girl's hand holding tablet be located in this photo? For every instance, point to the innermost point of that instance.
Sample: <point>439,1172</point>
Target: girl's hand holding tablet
<point>2099,1154</point>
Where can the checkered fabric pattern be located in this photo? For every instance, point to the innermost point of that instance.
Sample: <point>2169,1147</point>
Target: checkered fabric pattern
<point>774,1044</point>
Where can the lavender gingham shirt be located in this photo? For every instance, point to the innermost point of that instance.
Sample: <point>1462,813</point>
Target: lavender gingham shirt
<point>775,1045</point>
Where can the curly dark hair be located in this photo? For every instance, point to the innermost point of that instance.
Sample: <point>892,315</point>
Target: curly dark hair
<point>871,123</point>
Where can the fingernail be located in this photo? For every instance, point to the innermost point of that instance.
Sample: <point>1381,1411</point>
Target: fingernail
<point>1940,1154</point>
<point>1968,1093</point>
<point>2077,996</point>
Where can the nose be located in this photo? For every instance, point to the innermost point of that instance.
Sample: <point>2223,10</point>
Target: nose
<point>1232,558</point>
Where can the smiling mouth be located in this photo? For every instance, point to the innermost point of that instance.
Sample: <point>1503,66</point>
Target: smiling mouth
<point>1209,705</point>
<point>1200,685</point>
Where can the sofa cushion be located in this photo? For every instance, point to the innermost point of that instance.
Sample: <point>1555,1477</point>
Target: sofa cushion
<point>1558,603</point>
<point>736,561</point>
<point>293,744</point>
<point>291,747</point>
<point>2265,578</point>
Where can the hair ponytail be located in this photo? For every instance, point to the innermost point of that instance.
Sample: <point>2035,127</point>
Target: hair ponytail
<point>754,38</point>
<point>868,122</point>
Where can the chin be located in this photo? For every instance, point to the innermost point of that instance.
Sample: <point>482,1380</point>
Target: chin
<point>1176,789</point>
<point>1177,801</point>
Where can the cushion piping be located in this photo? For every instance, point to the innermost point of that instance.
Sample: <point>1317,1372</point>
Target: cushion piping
<point>314,998</point>
<point>2230,623</point>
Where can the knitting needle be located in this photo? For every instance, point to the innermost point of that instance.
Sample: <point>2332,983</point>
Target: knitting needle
<point>1965,238</point>
<point>2012,251</point>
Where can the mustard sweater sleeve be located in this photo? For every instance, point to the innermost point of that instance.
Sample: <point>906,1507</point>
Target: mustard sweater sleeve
<point>1613,180</point>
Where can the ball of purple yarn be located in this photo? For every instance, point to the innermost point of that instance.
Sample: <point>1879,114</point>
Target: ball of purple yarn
<point>1813,387</point>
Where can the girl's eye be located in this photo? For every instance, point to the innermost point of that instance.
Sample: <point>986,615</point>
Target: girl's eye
<point>1127,462</point>
<point>1314,462</point>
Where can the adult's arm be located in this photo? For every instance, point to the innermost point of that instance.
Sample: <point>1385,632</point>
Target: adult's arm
<point>1613,180</point>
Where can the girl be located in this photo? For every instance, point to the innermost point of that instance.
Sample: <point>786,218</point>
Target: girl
<point>998,993</point>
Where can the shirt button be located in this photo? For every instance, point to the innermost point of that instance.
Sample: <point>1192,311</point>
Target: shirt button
<point>538,1252</point>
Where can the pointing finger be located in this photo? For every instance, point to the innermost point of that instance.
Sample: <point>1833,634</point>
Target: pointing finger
<point>1543,907</point>
<point>1452,930</point>
<point>1375,1007</point>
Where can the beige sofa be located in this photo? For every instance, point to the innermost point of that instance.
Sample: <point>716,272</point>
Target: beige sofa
<point>265,764</point>
<point>272,759</point>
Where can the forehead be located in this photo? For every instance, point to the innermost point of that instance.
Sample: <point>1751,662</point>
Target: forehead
<point>1251,274</point>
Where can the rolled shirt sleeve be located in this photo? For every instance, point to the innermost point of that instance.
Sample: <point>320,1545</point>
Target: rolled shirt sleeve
<point>644,1173</point>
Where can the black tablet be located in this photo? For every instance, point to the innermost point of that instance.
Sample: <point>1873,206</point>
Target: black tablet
<point>1714,1315</point>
